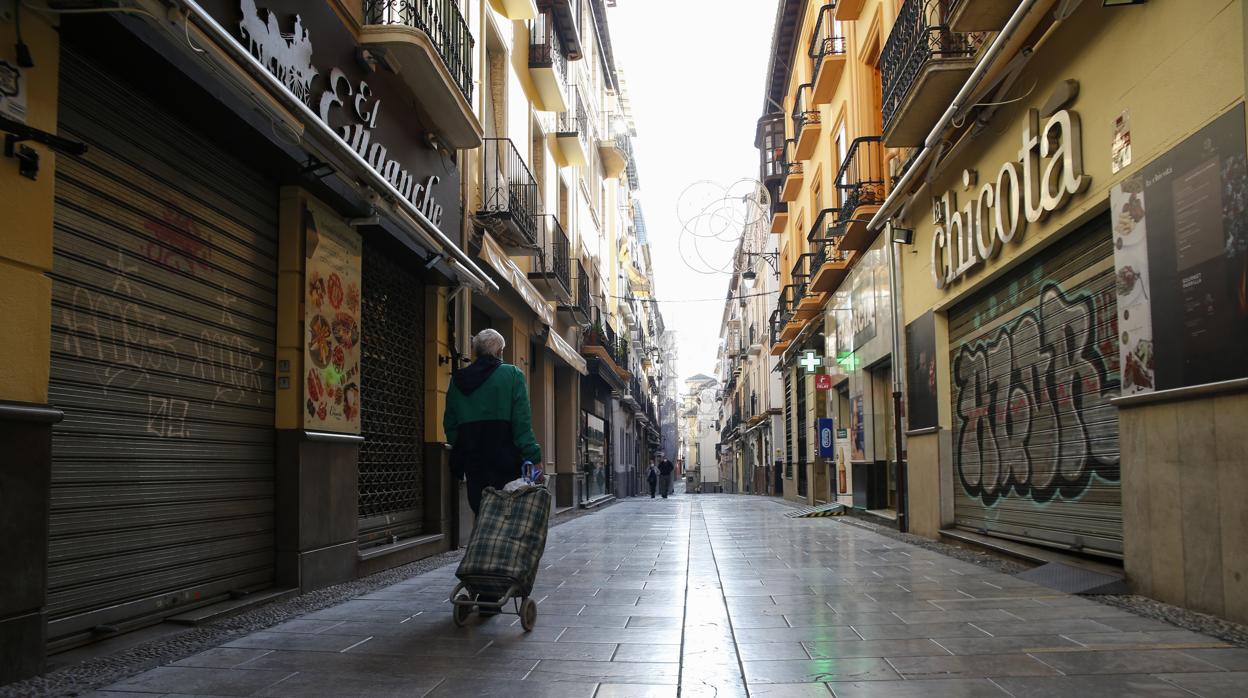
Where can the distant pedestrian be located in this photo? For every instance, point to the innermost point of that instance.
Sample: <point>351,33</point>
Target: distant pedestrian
<point>488,420</point>
<point>653,478</point>
<point>665,476</point>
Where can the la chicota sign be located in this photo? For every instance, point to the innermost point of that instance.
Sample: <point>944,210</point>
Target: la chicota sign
<point>346,96</point>
<point>1048,171</point>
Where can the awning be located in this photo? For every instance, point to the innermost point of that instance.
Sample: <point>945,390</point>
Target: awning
<point>563,350</point>
<point>495,257</point>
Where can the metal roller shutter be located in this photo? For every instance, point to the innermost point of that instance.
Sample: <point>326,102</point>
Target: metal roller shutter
<point>164,291</point>
<point>392,396</point>
<point>1034,362</point>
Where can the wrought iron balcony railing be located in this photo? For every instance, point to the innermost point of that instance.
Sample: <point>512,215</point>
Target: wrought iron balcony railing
<point>825,41</point>
<point>801,273</point>
<point>575,119</point>
<point>860,180</point>
<point>508,189</point>
<point>804,110</point>
<point>584,303</point>
<point>787,303</point>
<point>792,166</point>
<point>555,259</point>
<point>441,21</point>
<point>545,48</point>
<point>919,35</point>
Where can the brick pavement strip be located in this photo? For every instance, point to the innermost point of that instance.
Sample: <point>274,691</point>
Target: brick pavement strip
<point>719,595</point>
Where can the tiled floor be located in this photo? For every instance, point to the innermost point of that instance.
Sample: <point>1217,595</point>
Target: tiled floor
<point>720,595</point>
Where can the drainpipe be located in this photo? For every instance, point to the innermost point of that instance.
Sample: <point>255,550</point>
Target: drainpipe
<point>896,197</point>
<point>900,474</point>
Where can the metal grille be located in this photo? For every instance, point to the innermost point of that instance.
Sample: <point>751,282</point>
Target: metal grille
<point>801,436</point>
<point>788,424</point>
<point>392,394</point>
<point>1034,364</point>
<point>163,305</point>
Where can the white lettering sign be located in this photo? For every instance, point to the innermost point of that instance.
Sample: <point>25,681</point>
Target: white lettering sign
<point>1049,170</point>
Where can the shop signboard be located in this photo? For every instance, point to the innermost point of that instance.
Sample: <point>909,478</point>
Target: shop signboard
<point>1181,262</point>
<point>315,55</point>
<point>827,442</point>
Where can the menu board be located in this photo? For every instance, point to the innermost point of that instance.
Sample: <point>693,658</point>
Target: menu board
<point>1181,257</point>
<point>331,318</point>
<point>921,372</point>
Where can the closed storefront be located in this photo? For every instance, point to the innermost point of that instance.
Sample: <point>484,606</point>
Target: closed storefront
<point>391,467</point>
<point>1034,364</point>
<point>164,286</point>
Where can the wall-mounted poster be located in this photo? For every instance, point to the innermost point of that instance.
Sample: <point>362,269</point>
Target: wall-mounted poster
<point>863,301</point>
<point>1181,257</point>
<point>921,372</point>
<point>331,319</point>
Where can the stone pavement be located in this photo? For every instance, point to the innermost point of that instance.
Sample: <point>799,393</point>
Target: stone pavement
<point>720,595</point>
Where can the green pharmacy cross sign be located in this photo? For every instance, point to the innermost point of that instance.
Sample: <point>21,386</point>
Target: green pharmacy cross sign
<point>811,362</point>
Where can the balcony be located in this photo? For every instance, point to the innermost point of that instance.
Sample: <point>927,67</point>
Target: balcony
<point>849,10</point>
<point>552,270</point>
<point>860,183</point>
<point>547,64</point>
<point>808,302</point>
<point>515,9</point>
<point>579,307</point>
<point>779,216</point>
<point>616,154</point>
<point>567,16</point>
<point>787,305</point>
<point>794,174</point>
<point>428,45</point>
<point>572,132</point>
<point>600,342</point>
<point>979,15</point>
<point>923,66</point>
<point>807,122</point>
<point>509,197</point>
<point>827,56</point>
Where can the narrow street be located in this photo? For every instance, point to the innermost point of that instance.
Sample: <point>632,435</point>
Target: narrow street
<point>720,595</point>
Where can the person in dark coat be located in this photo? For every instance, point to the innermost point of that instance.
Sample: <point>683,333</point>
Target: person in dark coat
<point>488,420</point>
<point>665,476</point>
<point>652,477</point>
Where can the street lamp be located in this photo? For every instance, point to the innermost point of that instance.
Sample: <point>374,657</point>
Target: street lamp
<point>749,276</point>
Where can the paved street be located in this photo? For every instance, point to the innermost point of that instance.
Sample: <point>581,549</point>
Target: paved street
<point>720,595</point>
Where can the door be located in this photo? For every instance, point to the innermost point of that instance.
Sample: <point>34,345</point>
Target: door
<point>164,295</point>
<point>1034,362</point>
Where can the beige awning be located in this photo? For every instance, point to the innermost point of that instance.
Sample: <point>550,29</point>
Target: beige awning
<point>563,350</point>
<point>495,257</point>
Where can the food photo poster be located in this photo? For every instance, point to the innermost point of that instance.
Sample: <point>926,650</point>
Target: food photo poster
<point>331,323</point>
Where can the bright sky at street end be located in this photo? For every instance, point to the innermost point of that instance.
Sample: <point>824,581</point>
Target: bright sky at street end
<point>694,71</point>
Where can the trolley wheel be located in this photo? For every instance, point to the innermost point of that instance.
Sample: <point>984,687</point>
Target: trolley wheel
<point>460,612</point>
<point>528,614</point>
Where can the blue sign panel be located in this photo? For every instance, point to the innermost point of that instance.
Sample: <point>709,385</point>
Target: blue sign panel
<point>826,441</point>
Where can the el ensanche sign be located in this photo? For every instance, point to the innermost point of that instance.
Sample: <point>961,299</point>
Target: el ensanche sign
<point>1048,171</point>
<point>289,58</point>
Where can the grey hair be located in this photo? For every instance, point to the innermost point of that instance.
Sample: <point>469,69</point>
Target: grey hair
<point>488,342</point>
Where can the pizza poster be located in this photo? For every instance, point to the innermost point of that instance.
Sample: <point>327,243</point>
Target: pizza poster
<point>331,316</point>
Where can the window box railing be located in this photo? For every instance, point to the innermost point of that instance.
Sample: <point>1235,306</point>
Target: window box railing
<point>554,265</point>
<point>441,21</point>
<point>509,192</point>
<point>860,180</point>
<point>807,122</point>
<point>827,55</point>
<point>919,41</point>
